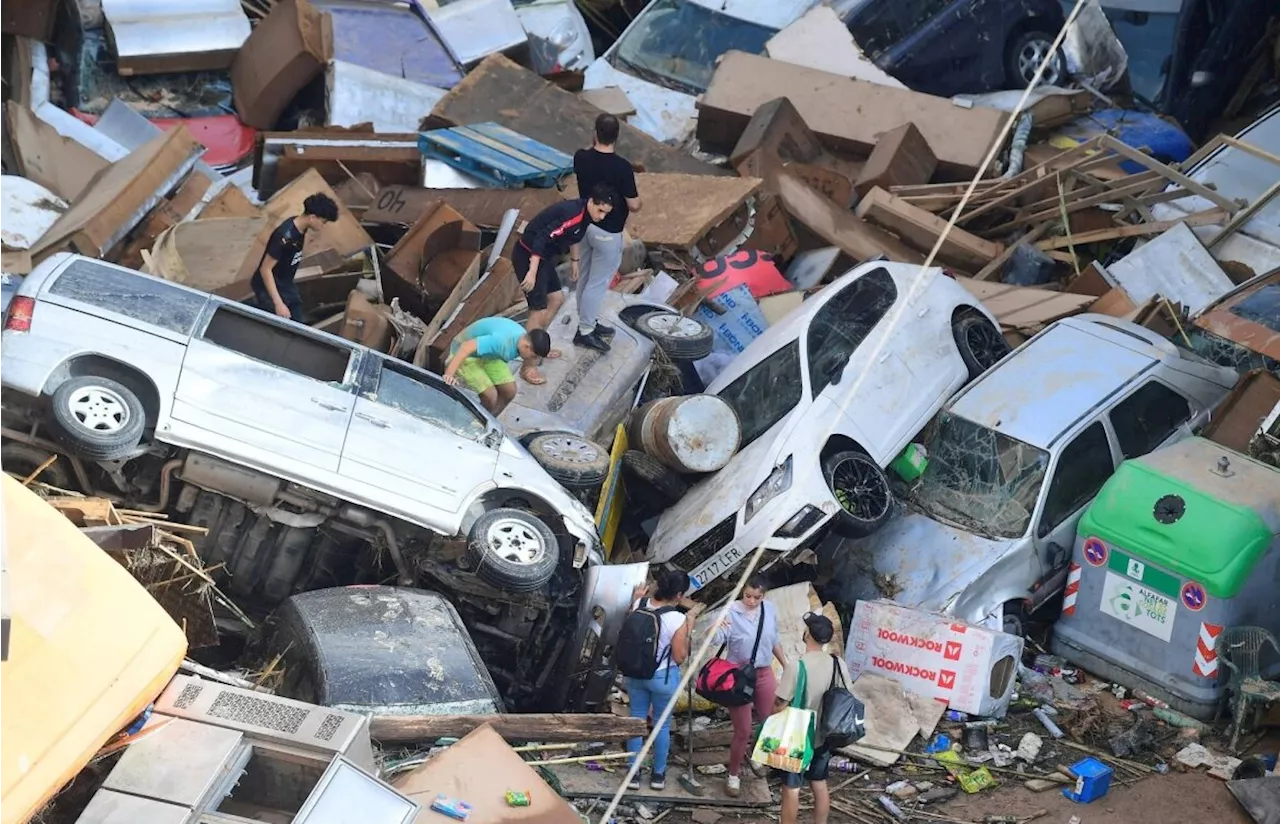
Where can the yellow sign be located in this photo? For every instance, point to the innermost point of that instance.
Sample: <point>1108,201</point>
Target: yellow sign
<point>609,510</point>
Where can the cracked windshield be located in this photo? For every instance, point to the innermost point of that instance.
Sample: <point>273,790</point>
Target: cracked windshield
<point>979,479</point>
<point>680,41</point>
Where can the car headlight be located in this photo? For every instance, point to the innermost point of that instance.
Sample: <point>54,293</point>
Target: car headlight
<point>563,35</point>
<point>779,481</point>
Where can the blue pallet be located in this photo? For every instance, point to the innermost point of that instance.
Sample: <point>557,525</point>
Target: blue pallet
<point>497,155</point>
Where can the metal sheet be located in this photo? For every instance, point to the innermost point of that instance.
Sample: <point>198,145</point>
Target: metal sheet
<point>154,36</point>
<point>475,29</point>
<point>1175,266</point>
<point>393,38</point>
<point>127,127</point>
<point>355,94</point>
<point>180,762</point>
<point>109,807</point>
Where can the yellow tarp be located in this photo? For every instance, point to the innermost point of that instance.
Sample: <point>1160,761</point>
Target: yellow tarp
<point>88,650</point>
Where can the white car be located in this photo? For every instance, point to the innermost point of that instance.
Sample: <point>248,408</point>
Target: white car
<point>666,57</point>
<point>559,40</point>
<point>827,398</point>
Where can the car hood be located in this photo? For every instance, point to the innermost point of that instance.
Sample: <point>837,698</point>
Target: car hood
<point>914,560</point>
<point>716,497</point>
<point>664,114</point>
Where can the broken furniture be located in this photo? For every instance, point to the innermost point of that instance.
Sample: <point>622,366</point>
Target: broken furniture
<point>288,49</point>
<point>245,756</point>
<point>337,155</point>
<point>497,155</point>
<point>1241,649</point>
<point>156,36</point>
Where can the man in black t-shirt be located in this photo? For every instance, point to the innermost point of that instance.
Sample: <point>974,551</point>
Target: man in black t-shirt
<point>602,244</point>
<point>273,285</point>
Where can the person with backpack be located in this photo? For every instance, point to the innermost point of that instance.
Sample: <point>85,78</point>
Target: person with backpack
<point>652,644</point>
<point>825,674</point>
<point>750,634</point>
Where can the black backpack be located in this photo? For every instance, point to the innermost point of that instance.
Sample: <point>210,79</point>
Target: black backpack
<point>843,718</point>
<point>638,641</point>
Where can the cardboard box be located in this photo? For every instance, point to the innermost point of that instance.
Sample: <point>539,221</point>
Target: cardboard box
<point>288,49</point>
<point>741,323</point>
<point>970,668</point>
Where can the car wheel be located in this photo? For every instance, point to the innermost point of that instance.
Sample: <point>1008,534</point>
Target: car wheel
<point>1013,619</point>
<point>98,418</point>
<point>679,337</point>
<point>980,343</point>
<point>862,490</point>
<point>658,484</point>
<point>1026,52</point>
<point>21,460</point>
<point>513,550</point>
<point>576,463</point>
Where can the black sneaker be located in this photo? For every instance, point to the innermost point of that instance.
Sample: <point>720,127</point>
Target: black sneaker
<point>658,781</point>
<point>634,784</point>
<point>591,341</point>
<point>606,332</point>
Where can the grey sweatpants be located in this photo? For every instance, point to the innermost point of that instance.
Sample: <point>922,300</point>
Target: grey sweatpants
<point>601,257</point>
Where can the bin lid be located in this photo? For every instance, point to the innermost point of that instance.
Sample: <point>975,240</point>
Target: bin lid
<point>1184,510</point>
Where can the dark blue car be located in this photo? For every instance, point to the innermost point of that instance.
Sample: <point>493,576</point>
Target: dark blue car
<point>948,47</point>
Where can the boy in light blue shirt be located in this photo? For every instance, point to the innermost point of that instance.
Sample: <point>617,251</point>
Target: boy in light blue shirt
<point>479,358</point>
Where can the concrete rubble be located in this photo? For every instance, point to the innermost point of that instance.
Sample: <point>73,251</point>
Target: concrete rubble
<point>300,511</point>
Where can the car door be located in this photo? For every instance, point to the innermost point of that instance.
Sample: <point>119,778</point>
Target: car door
<point>1082,467</point>
<point>417,440</point>
<point>268,391</point>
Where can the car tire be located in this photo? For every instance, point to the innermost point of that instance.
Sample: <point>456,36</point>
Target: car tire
<point>980,343</point>
<point>1023,57</point>
<point>659,484</point>
<point>1014,618</point>
<point>98,418</point>
<point>869,504</point>
<point>576,463</point>
<point>21,460</point>
<point>679,337</point>
<point>512,550</point>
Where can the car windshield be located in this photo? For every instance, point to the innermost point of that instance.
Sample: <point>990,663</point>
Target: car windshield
<point>979,479</point>
<point>767,392</point>
<point>1148,39</point>
<point>679,41</point>
<point>1262,307</point>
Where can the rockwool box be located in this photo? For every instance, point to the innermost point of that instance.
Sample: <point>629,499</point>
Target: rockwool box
<point>969,667</point>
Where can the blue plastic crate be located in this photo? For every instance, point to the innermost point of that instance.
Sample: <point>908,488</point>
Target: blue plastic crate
<point>1093,779</point>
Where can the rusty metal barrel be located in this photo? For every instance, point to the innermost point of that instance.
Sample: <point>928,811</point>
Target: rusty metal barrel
<point>694,433</point>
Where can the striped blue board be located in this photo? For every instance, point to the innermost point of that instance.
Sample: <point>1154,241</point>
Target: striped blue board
<point>497,155</point>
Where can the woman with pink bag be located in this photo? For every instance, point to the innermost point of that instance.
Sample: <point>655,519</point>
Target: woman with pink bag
<point>750,634</point>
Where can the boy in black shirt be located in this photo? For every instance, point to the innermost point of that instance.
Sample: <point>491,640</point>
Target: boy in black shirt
<point>602,244</point>
<point>552,232</point>
<point>273,285</point>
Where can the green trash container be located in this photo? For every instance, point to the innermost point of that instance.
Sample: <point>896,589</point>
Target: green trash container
<point>1178,545</point>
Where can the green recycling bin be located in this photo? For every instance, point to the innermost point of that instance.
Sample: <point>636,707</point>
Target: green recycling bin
<point>1177,546</point>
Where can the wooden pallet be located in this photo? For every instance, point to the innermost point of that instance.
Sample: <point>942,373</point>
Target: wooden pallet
<point>497,155</point>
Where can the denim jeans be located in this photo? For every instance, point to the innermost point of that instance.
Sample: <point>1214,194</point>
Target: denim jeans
<point>655,694</point>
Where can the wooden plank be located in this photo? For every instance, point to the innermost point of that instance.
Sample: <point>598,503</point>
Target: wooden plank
<point>1014,186</point>
<point>500,91</point>
<point>992,269</point>
<point>839,227</point>
<point>1249,148</point>
<point>1244,215</point>
<point>922,230</point>
<point>1169,174</point>
<point>1113,196</point>
<point>542,727</point>
<point>680,209</point>
<point>1093,189</point>
<point>1025,307</point>
<point>1136,230</point>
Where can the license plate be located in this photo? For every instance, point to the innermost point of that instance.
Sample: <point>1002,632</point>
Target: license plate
<point>717,565</point>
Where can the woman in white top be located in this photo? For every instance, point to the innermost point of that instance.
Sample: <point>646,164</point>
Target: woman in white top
<point>652,695</point>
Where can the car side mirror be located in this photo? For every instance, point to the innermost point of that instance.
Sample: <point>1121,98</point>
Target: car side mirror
<point>1057,556</point>
<point>493,439</point>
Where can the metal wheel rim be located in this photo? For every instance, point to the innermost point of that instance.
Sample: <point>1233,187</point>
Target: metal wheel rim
<point>1030,58</point>
<point>99,409</point>
<point>570,449</point>
<point>515,541</point>
<point>674,326</point>
<point>985,343</point>
<point>859,490</point>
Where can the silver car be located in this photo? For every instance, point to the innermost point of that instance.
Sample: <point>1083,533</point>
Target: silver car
<point>1015,459</point>
<point>312,460</point>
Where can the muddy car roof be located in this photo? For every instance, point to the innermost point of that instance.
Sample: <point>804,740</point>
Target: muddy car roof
<point>1053,380</point>
<point>390,650</point>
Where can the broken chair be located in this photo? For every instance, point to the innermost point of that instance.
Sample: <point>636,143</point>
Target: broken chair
<point>1240,649</point>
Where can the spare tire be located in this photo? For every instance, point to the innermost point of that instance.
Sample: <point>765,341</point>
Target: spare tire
<point>98,418</point>
<point>657,484</point>
<point>679,337</point>
<point>513,550</point>
<point>578,464</point>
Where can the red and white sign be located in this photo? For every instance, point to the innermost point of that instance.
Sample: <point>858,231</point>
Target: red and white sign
<point>1072,591</point>
<point>1205,661</point>
<point>922,651</point>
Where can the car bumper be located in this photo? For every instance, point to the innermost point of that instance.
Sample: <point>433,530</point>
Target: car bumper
<point>783,526</point>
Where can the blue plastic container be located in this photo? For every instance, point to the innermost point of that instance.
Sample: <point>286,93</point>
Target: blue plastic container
<point>1093,779</point>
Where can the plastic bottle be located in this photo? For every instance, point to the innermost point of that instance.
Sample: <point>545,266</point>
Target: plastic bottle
<point>1047,722</point>
<point>841,764</point>
<point>891,808</point>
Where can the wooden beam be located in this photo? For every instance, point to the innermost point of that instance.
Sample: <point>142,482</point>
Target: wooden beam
<point>922,229</point>
<point>1036,174</point>
<point>542,727</point>
<point>992,269</point>
<point>1114,196</point>
<point>1133,230</point>
<point>1169,174</point>
<point>1250,149</point>
<point>1244,215</point>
